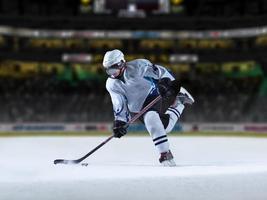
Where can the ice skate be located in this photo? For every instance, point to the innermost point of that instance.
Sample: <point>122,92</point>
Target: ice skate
<point>183,97</point>
<point>166,159</point>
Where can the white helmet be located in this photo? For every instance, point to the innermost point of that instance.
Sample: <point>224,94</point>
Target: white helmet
<point>113,57</point>
<point>114,63</point>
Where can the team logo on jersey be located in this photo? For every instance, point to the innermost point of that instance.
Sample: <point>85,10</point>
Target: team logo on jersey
<point>153,83</point>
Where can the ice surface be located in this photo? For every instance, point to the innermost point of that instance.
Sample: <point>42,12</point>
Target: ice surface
<point>209,168</point>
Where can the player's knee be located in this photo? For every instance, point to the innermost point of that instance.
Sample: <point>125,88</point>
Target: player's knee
<point>150,116</point>
<point>154,121</point>
<point>151,120</point>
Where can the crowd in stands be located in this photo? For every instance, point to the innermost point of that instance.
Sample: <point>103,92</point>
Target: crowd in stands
<point>44,98</point>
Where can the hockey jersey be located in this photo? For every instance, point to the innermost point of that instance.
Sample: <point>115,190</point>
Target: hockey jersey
<point>129,92</point>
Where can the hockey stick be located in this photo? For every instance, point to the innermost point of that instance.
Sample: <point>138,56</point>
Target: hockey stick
<point>77,161</point>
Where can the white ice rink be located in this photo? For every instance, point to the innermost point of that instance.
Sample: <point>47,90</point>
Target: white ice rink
<point>209,168</point>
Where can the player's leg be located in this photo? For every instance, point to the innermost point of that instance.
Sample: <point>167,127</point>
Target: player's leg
<point>174,114</point>
<point>175,111</point>
<point>157,131</point>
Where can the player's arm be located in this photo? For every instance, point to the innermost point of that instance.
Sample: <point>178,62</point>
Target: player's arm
<point>166,81</point>
<point>155,71</point>
<point>121,113</point>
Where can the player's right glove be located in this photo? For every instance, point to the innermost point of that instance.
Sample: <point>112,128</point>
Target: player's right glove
<point>119,128</point>
<point>165,87</point>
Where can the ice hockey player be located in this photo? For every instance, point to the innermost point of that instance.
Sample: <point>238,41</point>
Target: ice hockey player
<point>133,85</point>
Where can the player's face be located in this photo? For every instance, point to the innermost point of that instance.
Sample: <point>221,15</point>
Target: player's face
<point>116,69</point>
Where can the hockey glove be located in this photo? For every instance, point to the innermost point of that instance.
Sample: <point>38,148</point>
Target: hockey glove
<point>119,128</point>
<point>165,87</point>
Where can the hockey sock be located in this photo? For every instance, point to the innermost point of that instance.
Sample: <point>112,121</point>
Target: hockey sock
<point>156,130</point>
<point>175,114</point>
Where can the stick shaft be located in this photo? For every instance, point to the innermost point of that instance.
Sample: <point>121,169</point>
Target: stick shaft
<point>96,148</point>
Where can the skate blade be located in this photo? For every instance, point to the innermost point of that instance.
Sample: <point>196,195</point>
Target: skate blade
<point>168,163</point>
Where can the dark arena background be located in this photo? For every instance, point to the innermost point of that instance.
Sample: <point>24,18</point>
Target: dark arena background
<point>52,85</point>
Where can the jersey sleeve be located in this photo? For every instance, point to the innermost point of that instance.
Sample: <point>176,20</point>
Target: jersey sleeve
<point>119,103</point>
<point>156,71</point>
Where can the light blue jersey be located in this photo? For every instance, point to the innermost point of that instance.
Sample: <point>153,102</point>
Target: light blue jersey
<point>138,81</point>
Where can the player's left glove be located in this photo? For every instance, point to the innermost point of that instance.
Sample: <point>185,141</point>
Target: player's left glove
<point>119,128</point>
<point>165,87</point>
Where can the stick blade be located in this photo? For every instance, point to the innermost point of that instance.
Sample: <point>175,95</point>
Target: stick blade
<point>66,162</point>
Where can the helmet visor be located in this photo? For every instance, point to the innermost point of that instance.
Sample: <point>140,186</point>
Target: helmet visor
<point>115,70</point>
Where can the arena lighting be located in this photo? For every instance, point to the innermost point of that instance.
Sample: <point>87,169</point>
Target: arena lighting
<point>81,58</point>
<point>176,2</point>
<point>126,34</point>
<point>185,58</point>
<point>85,2</point>
<point>85,6</point>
